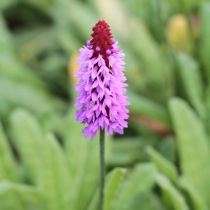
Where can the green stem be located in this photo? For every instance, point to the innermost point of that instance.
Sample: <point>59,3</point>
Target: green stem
<point>102,169</point>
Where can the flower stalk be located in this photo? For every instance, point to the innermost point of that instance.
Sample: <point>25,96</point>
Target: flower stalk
<point>102,169</point>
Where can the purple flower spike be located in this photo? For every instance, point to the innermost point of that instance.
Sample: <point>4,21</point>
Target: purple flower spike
<point>101,87</point>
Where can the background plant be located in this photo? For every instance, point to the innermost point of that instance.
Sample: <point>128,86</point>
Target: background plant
<point>162,161</point>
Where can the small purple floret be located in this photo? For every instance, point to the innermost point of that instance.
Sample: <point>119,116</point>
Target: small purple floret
<point>88,42</point>
<point>114,41</point>
<point>98,49</point>
<point>108,52</point>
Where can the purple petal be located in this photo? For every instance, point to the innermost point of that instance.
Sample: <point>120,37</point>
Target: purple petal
<point>94,96</point>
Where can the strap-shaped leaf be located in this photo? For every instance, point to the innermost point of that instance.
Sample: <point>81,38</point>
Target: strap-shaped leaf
<point>197,200</point>
<point>5,37</point>
<point>139,201</point>
<point>9,65</point>
<point>14,94</point>
<point>139,182</point>
<point>113,181</point>
<point>173,194</point>
<point>167,148</point>
<point>191,80</point>
<point>29,196</point>
<point>10,200</point>
<point>8,168</point>
<point>193,146</point>
<point>54,177</point>
<point>189,5</point>
<point>163,165</point>
<point>157,203</point>
<point>127,151</point>
<point>69,16</point>
<point>205,42</point>
<point>28,139</point>
<point>157,73</point>
<point>148,108</point>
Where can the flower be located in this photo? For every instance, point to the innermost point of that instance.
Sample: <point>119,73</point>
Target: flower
<point>101,84</point>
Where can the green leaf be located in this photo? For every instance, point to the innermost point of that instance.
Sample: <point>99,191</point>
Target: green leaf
<point>54,177</point>
<point>5,38</point>
<point>67,40</point>
<point>172,193</point>
<point>196,198</point>
<point>11,68</point>
<point>30,196</point>
<point>28,138</point>
<point>167,147</point>
<point>15,94</point>
<point>113,181</point>
<point>143,10</point>
<point>157,202</point>
<point>205,42</point>
<point>190,5</point>
<point>127,151</point>
<point>9,65</point>
<point>162,164</point>
<point>139,182</point>
<point>10,199</point>
<point>8,170</point>
<point>157,74</point>
<point>191,79</point>
<point>7,3</point>
<point>193,146</point>
<point>43,6</point>
<point>139,201</point>
<point>71,18</point>
<point>148,108</point>
<point>8,167</point>
<point>31,43</point>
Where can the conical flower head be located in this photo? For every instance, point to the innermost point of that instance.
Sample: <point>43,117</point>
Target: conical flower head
<point>101,86</point>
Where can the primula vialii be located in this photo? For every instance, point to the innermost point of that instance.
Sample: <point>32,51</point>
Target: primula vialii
<point>101,84</point>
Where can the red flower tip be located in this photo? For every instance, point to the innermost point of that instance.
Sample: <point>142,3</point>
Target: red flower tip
<point>102,39</point>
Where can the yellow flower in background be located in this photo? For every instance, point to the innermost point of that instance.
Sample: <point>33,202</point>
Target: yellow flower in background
<point>178,33</point>
<point>73,67</point>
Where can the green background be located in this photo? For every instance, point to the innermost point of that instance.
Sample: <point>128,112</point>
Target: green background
<point>162,162</point>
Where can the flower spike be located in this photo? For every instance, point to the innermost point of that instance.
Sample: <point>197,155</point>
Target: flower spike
<point>101,86</point>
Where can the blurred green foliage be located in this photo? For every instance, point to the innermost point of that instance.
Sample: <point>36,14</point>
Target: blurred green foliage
<point>161,162</point>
